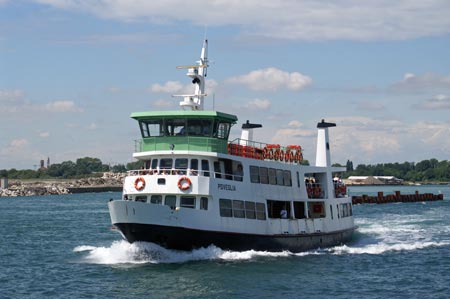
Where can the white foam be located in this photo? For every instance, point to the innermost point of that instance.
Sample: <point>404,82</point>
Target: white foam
<point>381,248</point>
<point>122,252</point>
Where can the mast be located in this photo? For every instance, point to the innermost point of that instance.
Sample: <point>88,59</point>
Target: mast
<point>197,73</point>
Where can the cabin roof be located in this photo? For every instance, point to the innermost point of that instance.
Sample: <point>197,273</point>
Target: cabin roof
<point>184,113</point>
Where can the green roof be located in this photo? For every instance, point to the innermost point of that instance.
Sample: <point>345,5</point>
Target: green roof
<point>182,113</point>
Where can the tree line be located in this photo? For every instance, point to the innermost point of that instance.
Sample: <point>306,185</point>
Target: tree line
<point>426,170</point>
<point>82,167</point>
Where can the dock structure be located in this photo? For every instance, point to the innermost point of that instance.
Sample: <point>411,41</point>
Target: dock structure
<point>396,197</point>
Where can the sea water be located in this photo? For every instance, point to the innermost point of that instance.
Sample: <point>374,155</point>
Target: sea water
<point>63,247</point>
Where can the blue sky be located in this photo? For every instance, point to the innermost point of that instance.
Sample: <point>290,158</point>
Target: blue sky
<point>72,71</point>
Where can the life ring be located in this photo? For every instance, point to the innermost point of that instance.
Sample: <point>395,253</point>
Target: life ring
<point>270,154</point>
<point>184,183</point>
<point>276,156</point>
<point>265,154</point>
<point>281,155</point>
<point>298,157</point>
<point>139,183</point>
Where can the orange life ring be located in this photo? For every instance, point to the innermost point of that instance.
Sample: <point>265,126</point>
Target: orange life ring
<point>265,154</point>
<point>184,183</point>
<point>276,156</point>
<point>282,155</point>
<point>270,154</point>
<point>139,183</point>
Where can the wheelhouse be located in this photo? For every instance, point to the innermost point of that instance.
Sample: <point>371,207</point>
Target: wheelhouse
<point>184,130</point>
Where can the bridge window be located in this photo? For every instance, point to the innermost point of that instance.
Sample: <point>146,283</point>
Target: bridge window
<point>222,131</point>
<point>175,127</point>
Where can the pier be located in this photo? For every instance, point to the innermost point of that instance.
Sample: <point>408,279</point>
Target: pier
<point>396,197</point>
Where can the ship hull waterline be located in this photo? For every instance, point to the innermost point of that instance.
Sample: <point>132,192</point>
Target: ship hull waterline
<point>179,238</point>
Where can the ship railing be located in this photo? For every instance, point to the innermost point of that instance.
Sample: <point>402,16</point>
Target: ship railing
<point>169,171</point>
<point>264,151</point>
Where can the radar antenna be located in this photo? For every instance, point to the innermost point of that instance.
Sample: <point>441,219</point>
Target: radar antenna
<point>197,73</point>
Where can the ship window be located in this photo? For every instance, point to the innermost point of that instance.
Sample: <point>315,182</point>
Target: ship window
<point>222,130</point>
<point>316,209</point>
<point>141,198</point>
<point>156,199</point>
<point>147,164</point>
<point>298,179</point>
<point>217,170</point>
<point>175,127</point>
<point>161,181</point>
<point>144,129</point>
<point>203,203</point>
<point>205,167</point>
<point>254,174</point>
<point>260,211</point>
<point>331,211</point>
<point>225,207</point>
<point>250,210</point>
<point>194,167</point>
<point>272,176</point>
<point>154,163</point>
<point>199,127</point>
<point>280,177</point>
<point>238,209</point>
<point>187,202</point>
<point>263,175</point>
<point>171,201</point>
<point>153,128</point>
<point>299,209</point>
<point>165,163</point>
<point>181,165</point>
<point>287,178</point>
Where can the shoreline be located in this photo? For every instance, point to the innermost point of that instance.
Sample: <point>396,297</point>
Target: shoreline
<point>108,182</point>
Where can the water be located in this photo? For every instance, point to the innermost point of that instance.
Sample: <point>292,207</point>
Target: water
<point>62,247</point>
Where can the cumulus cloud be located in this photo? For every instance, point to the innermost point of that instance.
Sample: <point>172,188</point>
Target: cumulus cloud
<point>435,103</point>
<point>60,106</point>
<point>259,104</point>
<point>18,143</point>
<point>176,87</point>
<point>168,87</point>
<point>13,101</point>
<point>161,103</point>
<point>272,79</point>
<point>424,82</point>
<point>297,20</point>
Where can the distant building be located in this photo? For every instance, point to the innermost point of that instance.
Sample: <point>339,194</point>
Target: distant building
<point>4,183</point>
<point>373,180</point>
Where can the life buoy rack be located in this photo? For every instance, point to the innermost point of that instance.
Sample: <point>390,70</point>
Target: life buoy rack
<point>184,183</point>
<point>139,183</point>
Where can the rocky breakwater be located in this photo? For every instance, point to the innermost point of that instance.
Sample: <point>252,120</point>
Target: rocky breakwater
<point>108,182</point>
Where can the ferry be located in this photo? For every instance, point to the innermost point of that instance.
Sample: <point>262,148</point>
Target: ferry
<point>198,188</point>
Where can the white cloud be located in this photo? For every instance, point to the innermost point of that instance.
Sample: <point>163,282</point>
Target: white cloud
<point>60,106</point>
<point>44,134</point>
<point>272,79</point>
<point>13,101</point>
<point>168,87</point>
<point>18,143</point>
<point>259,104</point>
<point>297,20</point>
<point>161,103</point>
<point>435,103</point>
<point>424,82</point>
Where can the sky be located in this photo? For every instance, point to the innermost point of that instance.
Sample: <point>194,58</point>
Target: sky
<point>72,72</point>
